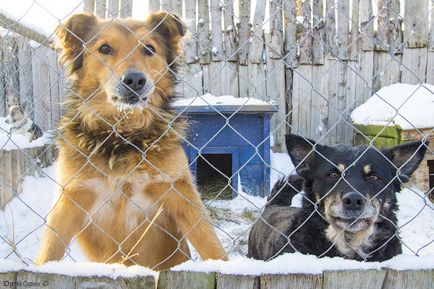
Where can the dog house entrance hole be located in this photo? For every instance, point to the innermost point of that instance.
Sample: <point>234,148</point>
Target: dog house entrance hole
<point>212,173</point>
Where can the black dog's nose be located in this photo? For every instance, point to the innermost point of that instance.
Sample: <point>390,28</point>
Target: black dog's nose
<point>134,80</point>
<point>353,201</point>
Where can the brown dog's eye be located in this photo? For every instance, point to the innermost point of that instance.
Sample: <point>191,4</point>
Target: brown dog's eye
<point>105,49</point>
<point>334,175</point>
<point>148,50</point>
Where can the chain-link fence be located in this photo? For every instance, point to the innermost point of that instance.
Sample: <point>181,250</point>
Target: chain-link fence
<point>109,149</point>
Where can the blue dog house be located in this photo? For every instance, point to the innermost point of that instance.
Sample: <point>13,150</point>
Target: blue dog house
<point>230,145</point>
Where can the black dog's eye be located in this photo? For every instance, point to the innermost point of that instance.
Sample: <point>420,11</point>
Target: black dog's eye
<point>148,50</point>
<point>373,177</point>
<point>105,49</point>
<point>334,175</point>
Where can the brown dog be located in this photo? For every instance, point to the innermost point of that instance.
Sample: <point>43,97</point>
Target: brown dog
<point>120,157</point>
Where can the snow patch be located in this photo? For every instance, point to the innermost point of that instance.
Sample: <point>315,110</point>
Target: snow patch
<point>209,99</point>
<point>407,105</point>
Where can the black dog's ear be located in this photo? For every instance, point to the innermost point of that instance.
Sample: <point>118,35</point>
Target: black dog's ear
<point>301,151</point>
<point>407,157</point>
<point>71,36</point>
<point>168,25</point>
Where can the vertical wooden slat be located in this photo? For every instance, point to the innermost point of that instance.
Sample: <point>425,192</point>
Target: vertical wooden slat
<point>355,41</point>
<point>290,34</point>
<point>416,17</point>
<point>113,8</point>
<point>367,25</point>
<point>353,279</point>
<point>276,29</point>
<point>318,32</point>
<point>343,29</point>
<point>9,46</point>
<point>204,42</point>
<point>420,279</point>
<point>100,8</point>
<point>387,69</point>
<point>225,281</point>
<point>414,67</point>
<point>25,76</point>
<point>244,31</point>
<point>183,280</point>
<point>342,111</point>
<point>41,88</point>
<point>89,6</point>
<point>55,94</point>
<point>382,30</point>
<point>395,27</point>
<point>293,281</point>
<point>154,5</point>
<point>256,53</point>
<point>306,35</point>
<point>230,68</point>
<point>172,6</point>
<point>331,27</point>
<point>217,52</point>
<point>125,8</point>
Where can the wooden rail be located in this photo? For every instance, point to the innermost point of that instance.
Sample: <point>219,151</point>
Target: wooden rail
<point>346,279</point>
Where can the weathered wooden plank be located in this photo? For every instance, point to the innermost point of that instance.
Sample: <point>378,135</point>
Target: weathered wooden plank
<point>383,26</point>
<point>297,281</point>
<point>416,15</point>
<point>290,34</point>
<point>89,6</point>
<point>256,53</point>
<point>100,8</point>
<point>7,193</point>
<point>355,38</point>
<point>431,32</point>
<point>7,279</point>
<point>230,79</point>
<point>288,98</point>
<point>9,46</point>
<point>215,77</point>
<point>11,24</point>
<point>55,97</point>
<point>430,67</point>
<point>324,101</point>
<point>306,34</point>
<point>172,6</point>
<point>318,32</point>
<point>2,83</point>
<point>276,29</point>
<point>301,99</point>
<point>112,8</point>
<point>192,80</point>
<point>225,281</point>
<point>420,279</point>
<point>351,100</point>
<point>353,279</point>
<point>243,82</point>
<point>413,68</point>
<point>125,8</point>
<point>367,25</point>
<point>365,69</point>
<point>190,44</point>
<point>25,76</point>
<point>230,37</point>
<point>244,32</point>
<point>43,280</point>
<point>343,29</point>
<point>395,26</point>
<point>216,30</point>
<point>16,172</point>
<point>387,69</point>
<point>333,111</point>
<point>330,16</point>
<point>204,43</point>
<point>154,5</point>
<point>343,113</point>
<point>147,282</point>
<point>317,98</point>
<point>257,80</point>
<point>41,88</point>
<point>182,280</point>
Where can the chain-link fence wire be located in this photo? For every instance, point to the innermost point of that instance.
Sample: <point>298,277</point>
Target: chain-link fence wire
<point>311,62</point>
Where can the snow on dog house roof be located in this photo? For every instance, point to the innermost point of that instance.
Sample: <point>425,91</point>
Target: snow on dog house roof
<point>225,103</point>
<point>407,105</point>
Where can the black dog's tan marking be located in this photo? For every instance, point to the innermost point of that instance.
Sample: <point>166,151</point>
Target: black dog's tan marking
<point>350,203</point>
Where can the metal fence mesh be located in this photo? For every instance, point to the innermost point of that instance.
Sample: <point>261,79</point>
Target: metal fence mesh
<point>298,67</point>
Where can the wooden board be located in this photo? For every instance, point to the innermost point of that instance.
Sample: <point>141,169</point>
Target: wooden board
<point>225,281</point>
<point>413,68</point>
<point>353,279</point>
<point>25,76</point>
<point>297,281</point>
<point>416,22</point>
<point>183,280</point>
<point>420,279</point>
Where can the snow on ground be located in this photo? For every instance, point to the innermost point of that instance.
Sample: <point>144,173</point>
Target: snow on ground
<point>209,99</point>
<point>22,222</point>
<point>10,141</point>
<point>407,105</point>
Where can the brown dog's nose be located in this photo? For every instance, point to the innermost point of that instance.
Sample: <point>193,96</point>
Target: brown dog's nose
<point>134,80</point>
<point>353,201</point>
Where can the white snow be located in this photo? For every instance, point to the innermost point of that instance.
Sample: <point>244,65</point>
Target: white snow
<point>407,105</point>
<point>209,99</point>
<point>22,222</point>
<point>10,141</point>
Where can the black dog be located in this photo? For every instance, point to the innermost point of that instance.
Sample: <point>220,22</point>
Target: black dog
<point>349,205</point>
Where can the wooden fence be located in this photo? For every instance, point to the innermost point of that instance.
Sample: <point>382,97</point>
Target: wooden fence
<point>315,59</point>
<point>346,279</point>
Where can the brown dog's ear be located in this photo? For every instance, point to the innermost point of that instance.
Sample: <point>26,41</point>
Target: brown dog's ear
<point>407,157</point>
<point>169,25</point>
<point>71,36</point>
